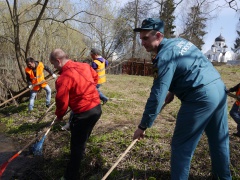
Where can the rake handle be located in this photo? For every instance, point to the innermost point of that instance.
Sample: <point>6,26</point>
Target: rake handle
<point>46,112</point>
<point>15,97</point>
<point>233,96</point>
<point>125,152</point>
<point>24,92</point>
<point>50,126</point>
<point>3,166</point>
<point>116,163</point>
<point>33,140</point>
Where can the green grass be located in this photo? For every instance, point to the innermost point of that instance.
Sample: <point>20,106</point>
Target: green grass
<point>148,159</point>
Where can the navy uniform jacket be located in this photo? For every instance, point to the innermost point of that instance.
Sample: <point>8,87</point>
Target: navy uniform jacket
<point>179,67</point>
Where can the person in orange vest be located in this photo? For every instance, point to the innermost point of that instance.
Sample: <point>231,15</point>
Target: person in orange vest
<point>35,75</point>
<point>235,110</point>
<point>99,64</point>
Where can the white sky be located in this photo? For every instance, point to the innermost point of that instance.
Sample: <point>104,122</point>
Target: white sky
<point>226,25</point>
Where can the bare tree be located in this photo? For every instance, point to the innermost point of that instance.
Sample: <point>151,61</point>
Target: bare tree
<point>233,4</point>
<point>34,28</point>
<point>133,13</point>
<point>195,26</point>
<point>15,19</point>
<point>100,32</point>
<point>25,23</point>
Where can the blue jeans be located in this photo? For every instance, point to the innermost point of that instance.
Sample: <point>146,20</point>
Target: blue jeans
<point>102,96</point>
<point>33,95</point>
<point>204,109</point>
<point>235,114</point>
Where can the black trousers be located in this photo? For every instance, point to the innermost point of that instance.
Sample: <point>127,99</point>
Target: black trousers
<point>81,126</point>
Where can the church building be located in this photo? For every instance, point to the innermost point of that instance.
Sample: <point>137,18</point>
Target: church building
<point>219,51</point>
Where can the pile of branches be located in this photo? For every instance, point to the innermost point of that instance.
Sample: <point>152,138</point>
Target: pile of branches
<point>11,85</point>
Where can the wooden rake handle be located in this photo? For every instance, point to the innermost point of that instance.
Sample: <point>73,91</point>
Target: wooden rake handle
<point>14,97</point>
<point>41,118</point>
<point>233,96</point>
<point>24,91</point>
<point>116,163</point>
<point>125,152</point>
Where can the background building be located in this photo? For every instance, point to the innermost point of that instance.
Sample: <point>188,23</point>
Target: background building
<point>219,51</point>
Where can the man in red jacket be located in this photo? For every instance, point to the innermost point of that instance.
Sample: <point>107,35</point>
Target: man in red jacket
<point>76,88</point>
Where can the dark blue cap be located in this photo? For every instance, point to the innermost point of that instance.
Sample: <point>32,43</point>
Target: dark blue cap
<point>95,51</point>
<point>151,24</point>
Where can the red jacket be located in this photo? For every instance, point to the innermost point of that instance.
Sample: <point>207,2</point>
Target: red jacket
<point>76,88</point>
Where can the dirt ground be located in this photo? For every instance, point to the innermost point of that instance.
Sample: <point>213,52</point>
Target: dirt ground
<point>18,166</point>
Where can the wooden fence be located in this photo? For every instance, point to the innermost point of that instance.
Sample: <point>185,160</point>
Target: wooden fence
<point>143,68</point>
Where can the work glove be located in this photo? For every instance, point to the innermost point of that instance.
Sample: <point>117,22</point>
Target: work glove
<point>66,126</point>
<point>54,76</point>
<point>30,87</point>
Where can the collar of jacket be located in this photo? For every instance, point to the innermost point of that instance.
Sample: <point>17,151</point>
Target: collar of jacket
<point>101,59</point>
<point>162,44</point>
<point>66,66</point>
<point>36,65</point>
<point>159,48</point>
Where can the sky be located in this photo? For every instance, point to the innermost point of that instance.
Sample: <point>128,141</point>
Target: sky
<point>226,25</point>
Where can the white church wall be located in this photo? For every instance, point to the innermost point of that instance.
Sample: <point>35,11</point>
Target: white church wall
<point>227,56</point>
<point>219,53</point>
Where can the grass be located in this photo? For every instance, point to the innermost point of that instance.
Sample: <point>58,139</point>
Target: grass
<point>148,159</point>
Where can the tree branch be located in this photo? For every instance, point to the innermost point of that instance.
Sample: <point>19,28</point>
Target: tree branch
<point>35,27</point>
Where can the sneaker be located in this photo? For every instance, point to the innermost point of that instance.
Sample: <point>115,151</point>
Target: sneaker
<point>237,134</point>
<point>66,126</point>
<point>48,105</point>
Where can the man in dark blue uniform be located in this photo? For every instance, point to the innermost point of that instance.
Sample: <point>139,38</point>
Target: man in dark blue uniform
<point>181,69</point>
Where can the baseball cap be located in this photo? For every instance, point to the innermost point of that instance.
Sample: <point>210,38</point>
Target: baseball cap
<point>95,51</point>
<point>151,24</point>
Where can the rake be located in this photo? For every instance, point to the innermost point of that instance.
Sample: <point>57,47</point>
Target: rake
<point>37,147</point>
<point>126,151</point>
<point>24,91</point>
<point>233,96</point>
<point>41,118</point>
<point>116,163</point>
<point>5,164</point>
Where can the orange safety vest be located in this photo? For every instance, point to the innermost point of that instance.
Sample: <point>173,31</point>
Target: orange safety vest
<point>101,71</point>
<point>39,76</point>
<point>238,95</point>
